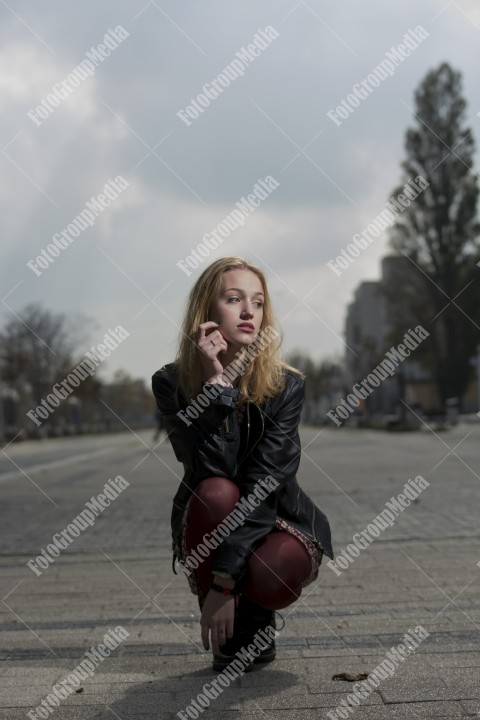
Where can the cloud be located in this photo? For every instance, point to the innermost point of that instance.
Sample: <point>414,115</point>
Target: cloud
<point>185,180</point>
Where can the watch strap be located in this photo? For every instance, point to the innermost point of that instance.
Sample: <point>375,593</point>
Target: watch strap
<point>223,590</point>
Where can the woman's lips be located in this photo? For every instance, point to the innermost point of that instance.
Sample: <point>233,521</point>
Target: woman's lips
<point>246,328</point>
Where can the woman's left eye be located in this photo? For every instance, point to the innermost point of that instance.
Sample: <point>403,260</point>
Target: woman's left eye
<point>234,298</point>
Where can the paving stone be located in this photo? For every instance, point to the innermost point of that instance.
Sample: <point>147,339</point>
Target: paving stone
<point>340,624</point>
<point>399,691</point>
<point>471,706</point>
<point>273,714</point>
<point>337,652</point>
<point>427,710</point>
<point>453,660</point>
<point>410,711</point>
<point>307,700</point>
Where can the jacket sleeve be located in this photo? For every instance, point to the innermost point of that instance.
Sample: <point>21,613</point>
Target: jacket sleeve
<point>207,444</point>
<point>275,460</point>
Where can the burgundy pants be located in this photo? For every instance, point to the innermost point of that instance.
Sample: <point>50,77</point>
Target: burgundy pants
<point>275,569</point>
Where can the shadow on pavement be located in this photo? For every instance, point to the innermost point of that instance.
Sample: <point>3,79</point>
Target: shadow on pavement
<point>162,700</point>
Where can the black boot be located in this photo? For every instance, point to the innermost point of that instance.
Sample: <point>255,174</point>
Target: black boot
<point>250,618</point>
<point>256,618</point>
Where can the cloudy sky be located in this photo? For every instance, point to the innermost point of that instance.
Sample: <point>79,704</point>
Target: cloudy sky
<point>183,180</point>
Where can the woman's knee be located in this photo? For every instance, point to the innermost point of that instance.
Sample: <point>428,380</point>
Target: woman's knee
<point>276,571</point>
<point>216,495</point>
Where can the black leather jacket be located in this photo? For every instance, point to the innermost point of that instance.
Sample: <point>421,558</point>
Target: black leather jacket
<point>266,444</point>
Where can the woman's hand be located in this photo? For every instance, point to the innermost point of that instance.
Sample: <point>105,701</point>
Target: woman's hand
<point>218,615</point>
<point>211,345</point>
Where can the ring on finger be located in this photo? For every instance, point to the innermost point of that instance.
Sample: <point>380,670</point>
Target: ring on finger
<point>213,343</point>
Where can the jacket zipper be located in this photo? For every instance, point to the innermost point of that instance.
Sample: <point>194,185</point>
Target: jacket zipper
<point>248,430</point>
<point>248,435</point>
<point>248,452</point>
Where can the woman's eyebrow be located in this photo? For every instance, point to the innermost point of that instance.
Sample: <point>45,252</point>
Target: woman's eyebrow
<point>259,292</point>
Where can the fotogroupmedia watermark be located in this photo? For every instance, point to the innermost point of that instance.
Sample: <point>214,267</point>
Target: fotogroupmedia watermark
<point>93,58</point>
<point>86,668</point>
<point>243,659</point>
<point>86,218</point>
<point>235,219</point>
<point>362,390</point>
<point>234,520</point>
<point>86,367</point>
<point>387,668</point>
<point>396,505</point>
<point>230,373</point>
<point>86,518</point>
<point>236,68</point>
<point>393,208</point>
<point>386,68</point>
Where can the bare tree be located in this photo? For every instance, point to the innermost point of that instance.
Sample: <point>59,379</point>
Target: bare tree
<point>437,235</point>
<point>37,349</point>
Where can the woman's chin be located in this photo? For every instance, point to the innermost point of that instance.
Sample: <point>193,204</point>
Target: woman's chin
<point>244,339</point>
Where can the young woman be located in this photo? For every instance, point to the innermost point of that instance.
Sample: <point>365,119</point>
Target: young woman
<point>247,536</point>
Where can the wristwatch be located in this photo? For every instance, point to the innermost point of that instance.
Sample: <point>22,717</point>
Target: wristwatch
<point>223,590</point>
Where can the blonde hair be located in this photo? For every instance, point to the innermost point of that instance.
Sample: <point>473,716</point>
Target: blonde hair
<point>264,375</point>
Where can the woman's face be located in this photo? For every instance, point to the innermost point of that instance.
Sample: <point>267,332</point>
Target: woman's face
<point>239,307</point>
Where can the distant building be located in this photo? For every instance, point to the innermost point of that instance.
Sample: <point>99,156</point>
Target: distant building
<point>367,329</point>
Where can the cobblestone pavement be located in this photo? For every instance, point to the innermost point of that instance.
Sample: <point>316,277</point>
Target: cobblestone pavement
<point>422,571</point>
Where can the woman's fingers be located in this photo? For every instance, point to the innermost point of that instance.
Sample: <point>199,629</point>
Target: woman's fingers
<point>218,636</point>
<point>217,621</point>
<point>215,640</point>
<point>203,327</point>
<point>229,626</point>
<point>205,631</point>
<point>206,340</point>
<point>211,346</point>
<point>215,337</point>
